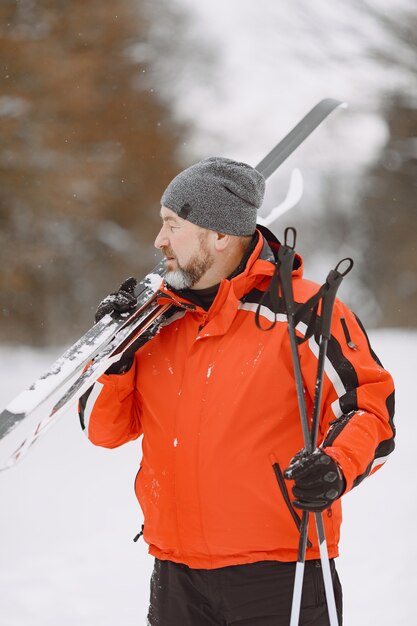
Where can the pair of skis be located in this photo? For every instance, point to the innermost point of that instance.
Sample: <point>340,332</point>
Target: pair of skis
<point>32,412</point>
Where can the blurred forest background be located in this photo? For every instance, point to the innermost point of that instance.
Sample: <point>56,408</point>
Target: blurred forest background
<point>102,103</point>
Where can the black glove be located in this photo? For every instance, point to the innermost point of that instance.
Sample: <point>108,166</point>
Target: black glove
<point>118,302</point>
<point>318,480</point>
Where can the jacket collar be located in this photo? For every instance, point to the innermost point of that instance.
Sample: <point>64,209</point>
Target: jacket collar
<point>256,273</point>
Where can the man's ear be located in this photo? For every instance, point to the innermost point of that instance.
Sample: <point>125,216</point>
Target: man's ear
<point>221,241</point>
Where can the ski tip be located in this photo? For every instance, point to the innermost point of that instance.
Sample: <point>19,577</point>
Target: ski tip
<point>331,103</point>
<point>8,421</point>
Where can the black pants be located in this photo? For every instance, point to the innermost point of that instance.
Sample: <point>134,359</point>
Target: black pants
<point>257,594</point>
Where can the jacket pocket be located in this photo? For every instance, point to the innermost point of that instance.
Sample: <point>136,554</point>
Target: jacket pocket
<point>318,582</point>
<point>284,491</point>
<point>313,587</point>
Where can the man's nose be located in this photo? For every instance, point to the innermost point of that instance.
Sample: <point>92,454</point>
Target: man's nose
<point>161,239</point>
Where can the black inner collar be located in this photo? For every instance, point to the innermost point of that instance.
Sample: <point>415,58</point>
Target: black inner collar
<point>205,297</point>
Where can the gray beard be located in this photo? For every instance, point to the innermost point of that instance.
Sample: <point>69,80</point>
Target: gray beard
<point>186,277</point>
<point>179,279</point>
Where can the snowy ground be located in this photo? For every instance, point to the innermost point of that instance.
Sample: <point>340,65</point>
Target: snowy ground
<point>69,514</point>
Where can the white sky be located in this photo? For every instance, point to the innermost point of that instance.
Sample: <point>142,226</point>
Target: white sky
<point>273,60</point>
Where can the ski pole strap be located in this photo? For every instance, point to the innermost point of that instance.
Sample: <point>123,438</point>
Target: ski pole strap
<point>272,292</point>
<point>286,254</point>
<point>280,290</point>
<point>326,294</point>
<point>282,273</point>
<point>333,281</point>
<point>332,284</point>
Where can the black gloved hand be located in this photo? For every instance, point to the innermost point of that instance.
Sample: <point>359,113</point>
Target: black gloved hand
<point>118,302</point>
<point>318,480</point>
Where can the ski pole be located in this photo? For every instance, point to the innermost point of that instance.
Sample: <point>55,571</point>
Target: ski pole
<point>333,281</point>
<point>286,256</point>
<point>332,284</point>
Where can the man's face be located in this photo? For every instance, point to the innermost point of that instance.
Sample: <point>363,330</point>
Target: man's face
<point>186,249</point>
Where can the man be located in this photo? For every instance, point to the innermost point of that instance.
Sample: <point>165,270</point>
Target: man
<point>215,399</point>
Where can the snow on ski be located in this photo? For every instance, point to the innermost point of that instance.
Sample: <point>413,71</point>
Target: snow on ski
<point>41,396</point>
<point>34,410</point>
<point>77,356</point>
<point>149,320</point>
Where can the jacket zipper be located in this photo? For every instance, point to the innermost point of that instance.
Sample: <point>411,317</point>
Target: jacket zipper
<point>349,341</point>
<point>136,537</point>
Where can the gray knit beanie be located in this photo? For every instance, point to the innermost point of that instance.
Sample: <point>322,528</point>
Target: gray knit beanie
<point>218,194</point>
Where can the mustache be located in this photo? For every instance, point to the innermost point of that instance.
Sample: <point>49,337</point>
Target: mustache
<point>168,253</point>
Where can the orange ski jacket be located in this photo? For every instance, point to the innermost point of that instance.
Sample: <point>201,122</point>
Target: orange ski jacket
<point>214,398</point>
